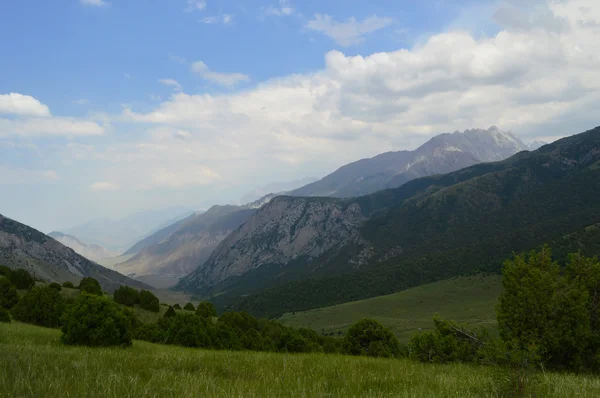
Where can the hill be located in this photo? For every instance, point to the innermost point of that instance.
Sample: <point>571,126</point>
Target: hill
<point>429,229</point>
<point>24,247</point>
<point>150,370</point>
<point>89,251</point>
<point>469,300</point>
<point>442,154</point>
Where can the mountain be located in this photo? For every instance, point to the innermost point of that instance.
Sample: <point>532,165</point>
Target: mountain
<point>301,253</point>
<point>442,154</point>
<point>24,247</point>
<point>91,252</point>
<point>275,187</point>
<point>118,235</point>
<point>178,249</point>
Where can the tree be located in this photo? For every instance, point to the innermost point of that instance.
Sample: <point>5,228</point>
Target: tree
<point>41,306</point>
<point>369,337</point>
<point>149,301</point>
<point>4,315</point>
<point>170,313</point>
<point>69,285</point>
<point>541,308</point>
<point>126,295</point>
<point>90,286</point>
<point>188,330</point>
<point>8,294</point>
<point>189,307</point>
<point>206,309</point>
<point>22,279</point>
<point>5,271</point>
<point>177,307</point>
<point>150,332</point>
<point>55,286</point>
<point>96,321</point>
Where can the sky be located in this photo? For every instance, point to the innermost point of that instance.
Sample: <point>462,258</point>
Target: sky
<point>110,107</point>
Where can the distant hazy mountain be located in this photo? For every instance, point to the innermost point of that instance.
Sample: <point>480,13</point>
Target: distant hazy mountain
<point>118,235</point>
<point>24,247</point>
<point>533,145</point>
<point>175,251</point>
<point>275,188</point>
<point>91,252</point>
<point>442,154</point>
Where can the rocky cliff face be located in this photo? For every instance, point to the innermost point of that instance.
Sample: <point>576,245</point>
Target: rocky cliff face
<point>286,229</point>
<point>24,247</point>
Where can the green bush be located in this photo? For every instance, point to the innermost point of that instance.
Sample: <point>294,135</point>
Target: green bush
<point>170,313</point>
<point>5,271</point>
<point>369,337</point>
<point>41,306</point>
<point>69,285</point>
<point>206,309</point>
<point>8,293</point>
<point>22,279</point>
<point>96,322</point>
<point>188,330</point>
<point>150,332</point>
<point>189,307</point>
<point>177,307</point>
<point>4,315</point>
<point>149,301</point>
<point>55,286</point>
<point>90,286</point>
<point>127,295</point>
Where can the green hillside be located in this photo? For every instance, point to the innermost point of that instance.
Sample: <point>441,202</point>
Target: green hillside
<point>465,299</point>
<point>35,364</point>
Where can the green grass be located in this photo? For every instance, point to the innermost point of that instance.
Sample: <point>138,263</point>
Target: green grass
<point>464,299</point>
<point>35,363</point>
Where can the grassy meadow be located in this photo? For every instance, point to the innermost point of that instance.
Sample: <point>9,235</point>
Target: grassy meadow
<point>465,299</point>
<point>35,363</point>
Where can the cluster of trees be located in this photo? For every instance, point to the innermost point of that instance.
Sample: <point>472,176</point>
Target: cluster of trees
<point>547,315</point>
<point>129,296</point>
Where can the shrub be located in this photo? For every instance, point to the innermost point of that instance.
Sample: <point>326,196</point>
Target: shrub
<point>22,279</point>
<point>170,313</point>
<point>4,315</point>
<point>369,337</point>
<point>5,271</point>
<point>150,332</point>
<point>189,307</point>
<point>149,301</point>
<point>206,309</point>
<point>55,286</point>
<point>90,286</point>
<point>126,295</point>
<point>69,285</point>
<point>96,322</point>
<point>41,306</point>
<point>188,330</point>
<point>177,307</point>
<point>8,294</point>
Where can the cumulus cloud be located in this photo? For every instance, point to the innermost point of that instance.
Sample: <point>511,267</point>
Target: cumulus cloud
<point>22,105</point>
<point>94,3</point>
<point>103,186</point>
<point>350,32</point>
<point>223,79</point>
<point>284,9</point>
<point>195,5</point>
<point>171,83</point>
<point>50,126</point>
<point>18,176</point>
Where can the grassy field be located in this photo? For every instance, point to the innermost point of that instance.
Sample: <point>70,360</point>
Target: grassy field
<point>35,363</point>
<point>465,299</point>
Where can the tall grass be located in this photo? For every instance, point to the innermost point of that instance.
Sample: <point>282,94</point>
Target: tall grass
<point>33,362</point>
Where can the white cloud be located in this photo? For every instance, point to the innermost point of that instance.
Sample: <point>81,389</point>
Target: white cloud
<point>22,105</point>
<point>179,178</point>
<point>178,59</point>
<point>285,9</point>
<point>225,19</point>
<point>19,176</point>
<point>94,3</point>
<point>50,126</point>
<point>103,186</point>
<point>51,175</point>
<point>171,83</point>
<point>195,5</point>
<point>223,79</point>
<point>347,33</point>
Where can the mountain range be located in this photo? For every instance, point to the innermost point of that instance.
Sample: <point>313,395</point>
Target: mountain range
<point>46,258</point>
<point>89,251</point>
<point>300,253</point>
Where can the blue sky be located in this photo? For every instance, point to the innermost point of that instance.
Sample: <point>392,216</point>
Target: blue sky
<point>109,107</point>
